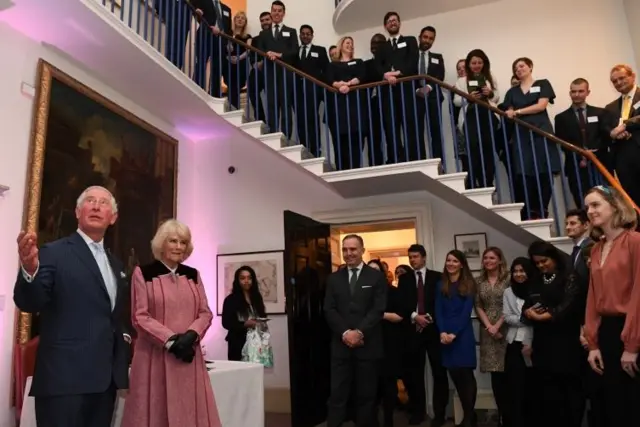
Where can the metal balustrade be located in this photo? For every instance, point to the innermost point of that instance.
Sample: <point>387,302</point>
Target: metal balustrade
<point>371,123</point>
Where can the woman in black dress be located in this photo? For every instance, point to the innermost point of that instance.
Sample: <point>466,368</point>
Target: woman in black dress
<point>534,160</point>
<point>235,76</point>
<point>240,310</point>
<point>555,312</point>
<point>346,110</point>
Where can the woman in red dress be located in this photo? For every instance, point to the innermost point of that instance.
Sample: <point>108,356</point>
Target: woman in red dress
<point>612,321</point>
<point>169,383</point>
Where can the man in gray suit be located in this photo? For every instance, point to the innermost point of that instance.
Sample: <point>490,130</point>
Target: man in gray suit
<point>82,295</point>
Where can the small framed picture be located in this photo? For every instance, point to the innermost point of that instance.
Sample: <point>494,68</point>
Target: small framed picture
<point>472,246</point>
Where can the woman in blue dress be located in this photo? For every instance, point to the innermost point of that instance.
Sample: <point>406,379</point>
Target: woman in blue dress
<point>454,302</point>
<point>534,159</point>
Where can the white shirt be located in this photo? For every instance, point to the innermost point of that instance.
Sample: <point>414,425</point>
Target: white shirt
<point>273,28</point>
<point>357,272</point>
<point>308,51</point>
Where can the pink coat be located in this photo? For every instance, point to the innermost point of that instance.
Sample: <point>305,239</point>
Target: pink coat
<point>164,391</point>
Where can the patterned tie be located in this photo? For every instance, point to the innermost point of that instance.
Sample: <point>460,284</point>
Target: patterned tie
<point>583,126</point>
<point>420,293</point>
<point>422,68</point>
<point>105,271</point>
<point>353,280</point>
<point>626,107</point>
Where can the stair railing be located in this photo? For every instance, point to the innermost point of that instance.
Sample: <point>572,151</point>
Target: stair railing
<point>375,123</point>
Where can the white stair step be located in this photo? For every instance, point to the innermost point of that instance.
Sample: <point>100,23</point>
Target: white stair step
<point>235,117</point>
<point>509,211</point>
<point>294,152</point>
<point>541,228</point>
<point>455,181</point>
<point>218,105</point>
<point>317,166</point>
<point>565,244</point>
<point>274,140</point>
<point>482,196</point>
<point>252,128</point>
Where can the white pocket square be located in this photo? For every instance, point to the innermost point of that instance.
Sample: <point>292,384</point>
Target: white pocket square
<point>365,287</point>
<point>122,275</point>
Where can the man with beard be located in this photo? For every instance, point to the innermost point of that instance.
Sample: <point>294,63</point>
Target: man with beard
<point>428,100</point>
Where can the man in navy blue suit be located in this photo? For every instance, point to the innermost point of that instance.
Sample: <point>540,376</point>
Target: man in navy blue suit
<point>81,293</point>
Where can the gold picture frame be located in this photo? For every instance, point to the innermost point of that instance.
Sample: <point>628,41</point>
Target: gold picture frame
<point>160,165</point>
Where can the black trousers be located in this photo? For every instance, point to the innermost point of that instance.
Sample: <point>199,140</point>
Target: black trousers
<point>307,103</point>
<point>580,179</point>
<point>562,398</point>
<point>235,75</point>
<point>234,350</point>
<point>429,113</point>
<point>480,128</point>
<point>398,120</point>
<point>426,343</point>
<point>80,410</point>
<point>535,192</point>
<point>347,375</point>
<point>593,393</point>
<point>255,86</point>
<point>209,47</point>
<point>279,90</point>
<point>346,149</point>
<point>620,393</point>
<point>627,158</point>
<point>517,412</point>
<point>375,132</point>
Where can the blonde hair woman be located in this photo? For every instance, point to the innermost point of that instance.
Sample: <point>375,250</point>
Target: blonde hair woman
<point>238,69</point>
<point>171,315</point>
<point>347,115</point>
<point>493,281</point>
<point>612,321</point>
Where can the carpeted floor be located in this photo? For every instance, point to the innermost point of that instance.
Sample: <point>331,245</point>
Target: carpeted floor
<point>283,420</point>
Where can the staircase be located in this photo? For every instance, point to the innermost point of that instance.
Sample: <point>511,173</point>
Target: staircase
<point>445,185</point>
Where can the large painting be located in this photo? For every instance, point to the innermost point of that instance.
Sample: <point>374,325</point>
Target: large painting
<point>80,139</point>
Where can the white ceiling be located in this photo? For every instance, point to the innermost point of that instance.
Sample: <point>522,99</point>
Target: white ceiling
<point>355,15</point>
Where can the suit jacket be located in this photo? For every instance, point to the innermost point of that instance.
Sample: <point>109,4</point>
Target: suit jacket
<point>580,275</point>
<point>567,127</point>
<point>633,123</point>
<point>408,281</point>
<point>363,311</point>
<point>404,58</point>
<point>82,349</point>
<point>435,68</point>
<point>210,14</point>
<point>315,64</point>
<point>287,43</point>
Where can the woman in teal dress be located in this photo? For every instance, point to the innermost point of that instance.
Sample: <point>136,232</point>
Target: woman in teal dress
<point>534,159</point>
<point>454,303</point>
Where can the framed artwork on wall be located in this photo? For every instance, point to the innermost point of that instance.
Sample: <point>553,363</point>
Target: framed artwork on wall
<point>79,139</point>
<point>269,268</point>
<point>472,246</point>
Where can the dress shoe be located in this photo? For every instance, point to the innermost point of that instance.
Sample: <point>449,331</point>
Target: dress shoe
<point>415,420</point>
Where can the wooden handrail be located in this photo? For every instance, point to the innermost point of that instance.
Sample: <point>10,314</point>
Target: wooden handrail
<point>613,182</point>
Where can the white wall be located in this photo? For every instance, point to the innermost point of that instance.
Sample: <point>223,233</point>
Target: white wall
<point>632,10</point>
<point>318,14</point>
<point>20,57</point>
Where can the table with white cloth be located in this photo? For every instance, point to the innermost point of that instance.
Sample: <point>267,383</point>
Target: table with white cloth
<point>237,386</point>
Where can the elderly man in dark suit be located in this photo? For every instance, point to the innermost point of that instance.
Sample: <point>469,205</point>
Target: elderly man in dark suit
<point>279,42</point>
<point>625,129</point>
<point>82,295</point>
<point>355,301</point>
<point>585,126</point>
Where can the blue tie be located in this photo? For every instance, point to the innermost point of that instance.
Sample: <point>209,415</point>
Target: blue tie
<point>105,271</point>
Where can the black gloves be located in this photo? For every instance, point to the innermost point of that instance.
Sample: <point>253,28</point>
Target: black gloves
<point>183,346</point>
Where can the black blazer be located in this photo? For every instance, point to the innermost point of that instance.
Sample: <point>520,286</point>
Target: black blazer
<point>287,43</point>
<point>210,14</point>
<point>363,311</point>
<point>633,123</point>
<point>315,64</point>
<point>403,59</point>
<point>408,281</point>
<point>567,127</point>
<point>82,348</point>
<point>236,331</point>
<point>435,68</point>
<point>373,75</point>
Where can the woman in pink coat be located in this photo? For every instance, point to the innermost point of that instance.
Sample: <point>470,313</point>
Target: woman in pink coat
<point>169,383</point>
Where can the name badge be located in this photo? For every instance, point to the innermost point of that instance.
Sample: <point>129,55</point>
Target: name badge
<point>636,105</point>
<point>593,119</point>
<point>401,45</point>
<point>473,83</point>
<point>225,13</point>
<point>351,63</point>
<point>535,89</point>
<point>435,61</point>
<point>286,34</point>
<point>314,54</point>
